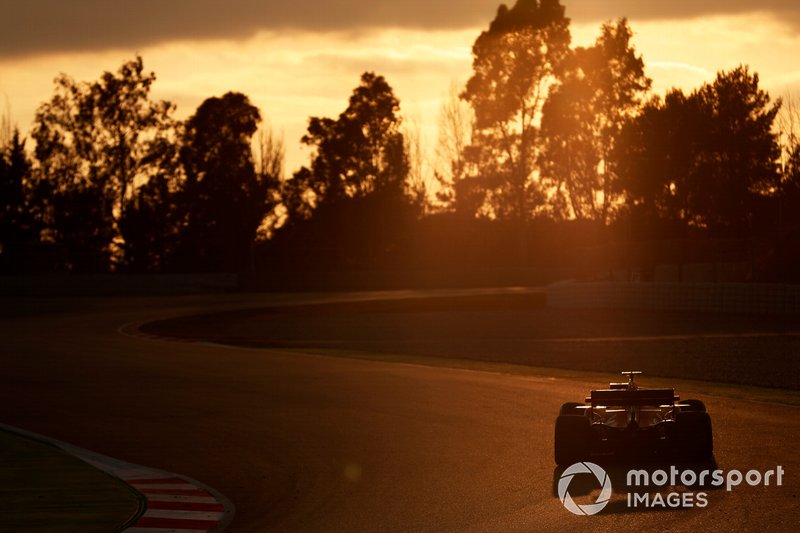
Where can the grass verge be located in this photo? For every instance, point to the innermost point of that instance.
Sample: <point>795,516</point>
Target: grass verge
<point>44,489</point>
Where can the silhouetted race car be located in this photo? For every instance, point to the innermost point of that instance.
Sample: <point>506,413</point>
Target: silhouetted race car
<point>629,421</point>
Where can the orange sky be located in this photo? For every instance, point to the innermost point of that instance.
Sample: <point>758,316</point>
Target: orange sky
<point>291,72</point>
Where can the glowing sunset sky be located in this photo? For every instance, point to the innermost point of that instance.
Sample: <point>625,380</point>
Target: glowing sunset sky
<point>296,59</point>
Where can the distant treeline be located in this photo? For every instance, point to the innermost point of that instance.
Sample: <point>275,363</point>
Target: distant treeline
<point>550,157</point>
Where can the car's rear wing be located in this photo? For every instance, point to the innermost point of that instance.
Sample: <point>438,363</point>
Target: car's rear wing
<point>633,397</point>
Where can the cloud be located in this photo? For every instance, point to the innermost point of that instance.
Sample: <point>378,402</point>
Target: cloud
<point>39,26</point>
<point>44,26</point>
<point>582,10</point>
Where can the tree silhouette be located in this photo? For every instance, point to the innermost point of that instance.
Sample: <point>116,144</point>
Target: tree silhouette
<point>788,122</point>
<point>740,164</point>
<point>656,158</point>
<point>787,253</point>
<point>153,223</point>
<point>93,142</point>
<point>350,207</point>
<point>19,228</point>
<point>709,159</point>
<point>360,152</point>
<point>459,186</point>
<point>416,184</point>
<point>224,197</point>
<point>600,88</point>
<point>514,62</point>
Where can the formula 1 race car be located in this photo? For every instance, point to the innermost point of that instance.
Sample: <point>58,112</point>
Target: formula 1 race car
<point>629,421</point>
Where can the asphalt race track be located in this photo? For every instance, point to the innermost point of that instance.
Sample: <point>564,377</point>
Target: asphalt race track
<point>304,442</point>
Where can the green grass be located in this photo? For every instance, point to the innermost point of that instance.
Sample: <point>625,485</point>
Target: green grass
<point>44,489</point>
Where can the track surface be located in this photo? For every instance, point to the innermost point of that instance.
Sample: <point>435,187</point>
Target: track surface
<point>518,327</point>
<point>311,443</point>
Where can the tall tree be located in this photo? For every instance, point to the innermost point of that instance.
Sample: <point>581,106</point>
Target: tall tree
<point>789,131</point>
<point>656,155</point>
<point>18,224</point>
<point>739,165</point>
<point>225,198</point>
<point>788,122</point>
<point>417,162</point>
<point>270,153</point>
<point>352,205</point>
<point>363,150</point>
<point>708,159</point>
<point>154,218</point>
<point>94,142</point>
<point>514,63</point>
<point>787,236</point>
<point>601,86</point>
<point>457,180</point>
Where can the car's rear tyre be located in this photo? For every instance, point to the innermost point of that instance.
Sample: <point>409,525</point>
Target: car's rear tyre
<point>694,439</point>
<point>571,408</point>
<point>693,405</point>
<point>572,439</point>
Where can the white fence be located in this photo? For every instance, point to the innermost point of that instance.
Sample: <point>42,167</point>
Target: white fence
<point>712,297</point>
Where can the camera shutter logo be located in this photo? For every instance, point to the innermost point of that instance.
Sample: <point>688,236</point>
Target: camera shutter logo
<point>602,499</point>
